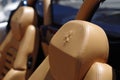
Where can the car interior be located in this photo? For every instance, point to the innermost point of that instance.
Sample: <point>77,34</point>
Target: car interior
<point>44,40</point>
<point>19,50</point>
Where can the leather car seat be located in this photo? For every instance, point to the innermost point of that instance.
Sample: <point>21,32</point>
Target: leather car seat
<point>78,51</point>
<point>19,50</point>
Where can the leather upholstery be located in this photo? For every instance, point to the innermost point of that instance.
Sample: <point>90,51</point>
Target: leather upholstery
<point>19,46</point>
<point>104,72</point>
<point>42,72</point>
<point>78,51</point>
<point>18,28</point>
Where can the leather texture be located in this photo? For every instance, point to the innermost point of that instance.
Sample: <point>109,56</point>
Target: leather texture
<point>76,52</point>
<point>42,72</point>
<point>19,46</point>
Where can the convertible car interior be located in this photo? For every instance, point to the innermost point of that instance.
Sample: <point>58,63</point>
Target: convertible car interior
<point>76,53</point>
<point>44,40</point>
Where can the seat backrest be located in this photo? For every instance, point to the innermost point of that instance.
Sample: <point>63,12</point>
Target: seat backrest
<point>19,49</point>
<point>78,51</point>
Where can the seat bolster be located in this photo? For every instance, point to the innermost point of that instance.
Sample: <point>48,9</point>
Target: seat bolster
<point>26,48</point>
<point>15,75</point>
<point>99,71</point>
<point>4,46</point>
<point>42,72</point>
<point>6,41</point>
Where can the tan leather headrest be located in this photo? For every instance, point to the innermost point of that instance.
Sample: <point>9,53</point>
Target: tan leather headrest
<point>23,17</point>
<point>75,47</point>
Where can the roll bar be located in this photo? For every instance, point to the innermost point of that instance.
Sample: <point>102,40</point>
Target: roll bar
<point>87,9</point>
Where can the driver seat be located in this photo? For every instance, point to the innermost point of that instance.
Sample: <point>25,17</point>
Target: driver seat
<point>78,51</point>
<point>19,49</point>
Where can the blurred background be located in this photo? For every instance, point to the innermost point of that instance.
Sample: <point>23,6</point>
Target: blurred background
<point>6,6</point>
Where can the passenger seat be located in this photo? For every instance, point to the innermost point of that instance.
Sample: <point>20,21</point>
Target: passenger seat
<point>18,51</point>
<point>78,51</point>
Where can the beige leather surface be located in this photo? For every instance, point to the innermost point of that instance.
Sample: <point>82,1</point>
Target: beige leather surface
<point>99,71</point>
<point>15,75</point>
<point>78,51</point>
<point>20,43</point>
<point>21,16</point>
<point>76,46</point>
<point>86,9</point>
<point>42,72</point>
